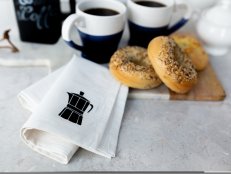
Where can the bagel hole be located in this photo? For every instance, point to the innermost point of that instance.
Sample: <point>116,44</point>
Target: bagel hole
<point>138,61</point>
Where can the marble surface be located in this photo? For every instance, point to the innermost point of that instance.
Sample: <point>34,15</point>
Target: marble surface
<point>156,135</point>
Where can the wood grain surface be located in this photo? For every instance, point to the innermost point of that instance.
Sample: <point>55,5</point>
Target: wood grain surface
<point>208,88</point>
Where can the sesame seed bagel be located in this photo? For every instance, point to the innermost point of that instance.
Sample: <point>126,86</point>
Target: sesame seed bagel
<point>191,46</point>
<point>171,64</point>
<point>131,66</point>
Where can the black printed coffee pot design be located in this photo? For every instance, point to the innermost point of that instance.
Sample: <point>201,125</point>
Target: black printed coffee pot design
<point>75,108</point>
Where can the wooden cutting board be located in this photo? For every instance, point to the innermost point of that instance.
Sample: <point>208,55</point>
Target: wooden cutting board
<point>208,88</point>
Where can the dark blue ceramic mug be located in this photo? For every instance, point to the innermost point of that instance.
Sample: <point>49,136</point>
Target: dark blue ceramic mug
<point>151,18</point>
<point>100,25</point>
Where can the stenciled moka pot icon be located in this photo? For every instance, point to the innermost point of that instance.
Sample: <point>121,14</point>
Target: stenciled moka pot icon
<point>75,108</point>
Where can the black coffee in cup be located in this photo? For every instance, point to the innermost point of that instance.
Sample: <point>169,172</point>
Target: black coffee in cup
<point>101,12</point>
<point>150,3</point>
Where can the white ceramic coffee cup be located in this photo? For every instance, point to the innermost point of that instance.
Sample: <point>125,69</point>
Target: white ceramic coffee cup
<point>100,35</point>
<point>148,22</point>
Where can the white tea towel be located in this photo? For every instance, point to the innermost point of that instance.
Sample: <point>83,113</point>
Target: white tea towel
<point>33,95</point>
<point>51,131</point>
<point>30,99</point>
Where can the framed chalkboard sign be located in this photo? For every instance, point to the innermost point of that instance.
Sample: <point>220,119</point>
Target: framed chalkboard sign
<point>40,20</point>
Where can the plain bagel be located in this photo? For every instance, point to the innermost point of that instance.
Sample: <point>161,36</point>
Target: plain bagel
<point>131,66</point>
<point>172,65</point>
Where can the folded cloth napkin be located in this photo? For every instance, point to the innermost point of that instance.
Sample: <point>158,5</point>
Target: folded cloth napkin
<point>79,105</point>
<point>33,95</point>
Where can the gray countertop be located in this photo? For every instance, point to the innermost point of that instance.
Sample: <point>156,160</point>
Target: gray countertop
<point>155,135</point>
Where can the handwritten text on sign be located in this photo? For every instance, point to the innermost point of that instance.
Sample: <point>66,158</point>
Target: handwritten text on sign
<point>26,12</point>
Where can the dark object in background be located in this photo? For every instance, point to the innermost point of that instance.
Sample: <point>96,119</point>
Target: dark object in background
<point>40,21</point>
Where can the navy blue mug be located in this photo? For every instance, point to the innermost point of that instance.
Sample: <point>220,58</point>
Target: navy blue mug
<point>99,24</point>
<point>148,19</point>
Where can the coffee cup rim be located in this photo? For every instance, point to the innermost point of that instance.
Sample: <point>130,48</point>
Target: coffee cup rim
<point>121,12</point>
<point>156,8</point>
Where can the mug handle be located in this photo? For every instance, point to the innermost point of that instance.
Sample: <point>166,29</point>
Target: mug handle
<point>67,26</point>
<point>181,22</point>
